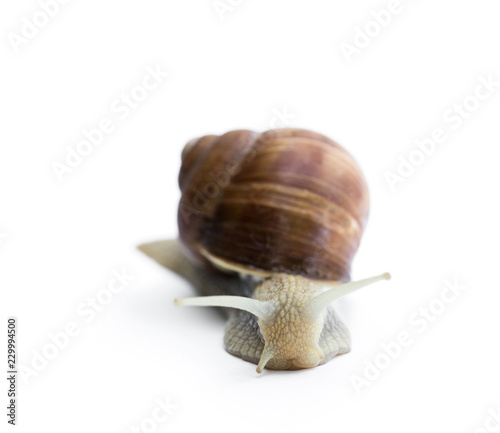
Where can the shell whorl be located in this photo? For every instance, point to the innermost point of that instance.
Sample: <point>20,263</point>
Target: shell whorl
<point>284,201</point>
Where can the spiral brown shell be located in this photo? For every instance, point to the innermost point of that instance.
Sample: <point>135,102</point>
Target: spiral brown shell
<point>287,200</point>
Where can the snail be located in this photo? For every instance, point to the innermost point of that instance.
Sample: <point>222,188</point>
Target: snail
<point>268,226</point>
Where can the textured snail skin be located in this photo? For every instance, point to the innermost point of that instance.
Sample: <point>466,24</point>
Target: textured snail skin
<point>297,341</point>
<point>284,201</point>
<point>266,222</point>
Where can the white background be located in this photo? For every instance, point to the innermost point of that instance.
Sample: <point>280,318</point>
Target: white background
<point>60,240</point>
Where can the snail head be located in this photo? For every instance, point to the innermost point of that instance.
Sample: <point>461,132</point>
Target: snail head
<point>291,313</point>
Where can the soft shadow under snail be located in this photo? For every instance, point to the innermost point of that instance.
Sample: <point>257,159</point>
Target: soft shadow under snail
<point>268,226</point>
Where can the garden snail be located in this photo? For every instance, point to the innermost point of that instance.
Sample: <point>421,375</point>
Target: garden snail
<point>268,226</point>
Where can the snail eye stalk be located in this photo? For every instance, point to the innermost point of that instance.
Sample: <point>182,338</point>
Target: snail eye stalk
<point>321,301</point>
<point>263,310</point>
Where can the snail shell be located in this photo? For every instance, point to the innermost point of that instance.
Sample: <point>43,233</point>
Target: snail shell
<point>266,222</point>
<point>287,200</point>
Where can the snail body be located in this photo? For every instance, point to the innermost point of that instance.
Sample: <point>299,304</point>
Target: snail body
<point>266,223</point>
